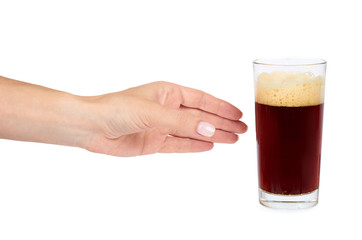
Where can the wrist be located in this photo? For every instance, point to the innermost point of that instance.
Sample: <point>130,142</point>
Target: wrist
<point>84,119</point>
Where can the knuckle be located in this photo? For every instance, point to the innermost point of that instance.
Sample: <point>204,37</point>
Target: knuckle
<point>169,95</point>
<point>161,83</point>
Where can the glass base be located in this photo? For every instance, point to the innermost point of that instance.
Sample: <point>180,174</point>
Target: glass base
<point>279,201</point>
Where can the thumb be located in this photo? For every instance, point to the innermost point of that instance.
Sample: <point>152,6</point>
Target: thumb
<point>182,121</point>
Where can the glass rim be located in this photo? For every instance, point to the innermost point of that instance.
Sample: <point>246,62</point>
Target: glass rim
<point>289,62</point>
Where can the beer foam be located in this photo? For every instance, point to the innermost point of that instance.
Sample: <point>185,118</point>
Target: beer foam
<point>289,89</point>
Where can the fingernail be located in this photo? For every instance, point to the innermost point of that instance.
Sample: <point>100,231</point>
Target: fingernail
<point>206,129</point>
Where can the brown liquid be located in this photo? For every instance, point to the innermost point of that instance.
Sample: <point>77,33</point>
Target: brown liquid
<point>289,148</point>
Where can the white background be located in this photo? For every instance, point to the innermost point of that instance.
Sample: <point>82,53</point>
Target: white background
<point>95,47</point>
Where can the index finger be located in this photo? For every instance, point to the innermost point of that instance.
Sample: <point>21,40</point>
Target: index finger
<point>194,98</point>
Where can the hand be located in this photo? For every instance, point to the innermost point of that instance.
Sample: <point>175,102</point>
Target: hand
<point>160,117</point>
<point>157,117</point>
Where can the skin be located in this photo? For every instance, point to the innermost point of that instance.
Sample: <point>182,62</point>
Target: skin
<point>157,117</point>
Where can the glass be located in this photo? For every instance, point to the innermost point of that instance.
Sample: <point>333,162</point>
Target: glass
<point>289,100</point>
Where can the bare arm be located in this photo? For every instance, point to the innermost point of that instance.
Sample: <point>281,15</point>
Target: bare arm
<point>34,113</point>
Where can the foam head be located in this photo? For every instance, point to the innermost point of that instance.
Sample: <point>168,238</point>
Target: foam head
<point>289,89</point>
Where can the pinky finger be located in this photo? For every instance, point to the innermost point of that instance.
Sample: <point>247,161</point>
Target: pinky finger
<point>184,145</point>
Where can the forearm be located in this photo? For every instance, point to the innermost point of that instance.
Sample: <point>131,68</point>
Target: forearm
<point>33,113</point>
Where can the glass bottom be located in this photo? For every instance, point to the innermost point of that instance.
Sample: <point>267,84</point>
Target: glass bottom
<point>279,201</point>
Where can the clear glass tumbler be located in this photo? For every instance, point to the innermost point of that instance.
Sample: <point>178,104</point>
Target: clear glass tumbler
<point>289,100</point>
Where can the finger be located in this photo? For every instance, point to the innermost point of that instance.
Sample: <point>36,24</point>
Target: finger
<point>224,124</point>
<point>177,120</point>
<point>219,136</point>
<point>182,145</point>
<point>197,99</point>
<point>185,123</point>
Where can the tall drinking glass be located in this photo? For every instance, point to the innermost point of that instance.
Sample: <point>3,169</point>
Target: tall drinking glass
<point>289,100</point>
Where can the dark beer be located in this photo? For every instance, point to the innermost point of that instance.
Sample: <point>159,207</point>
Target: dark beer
<point>289,102</point>
<point>288,147</point>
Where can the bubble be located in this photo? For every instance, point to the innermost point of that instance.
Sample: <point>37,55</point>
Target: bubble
<point>289,89</point>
